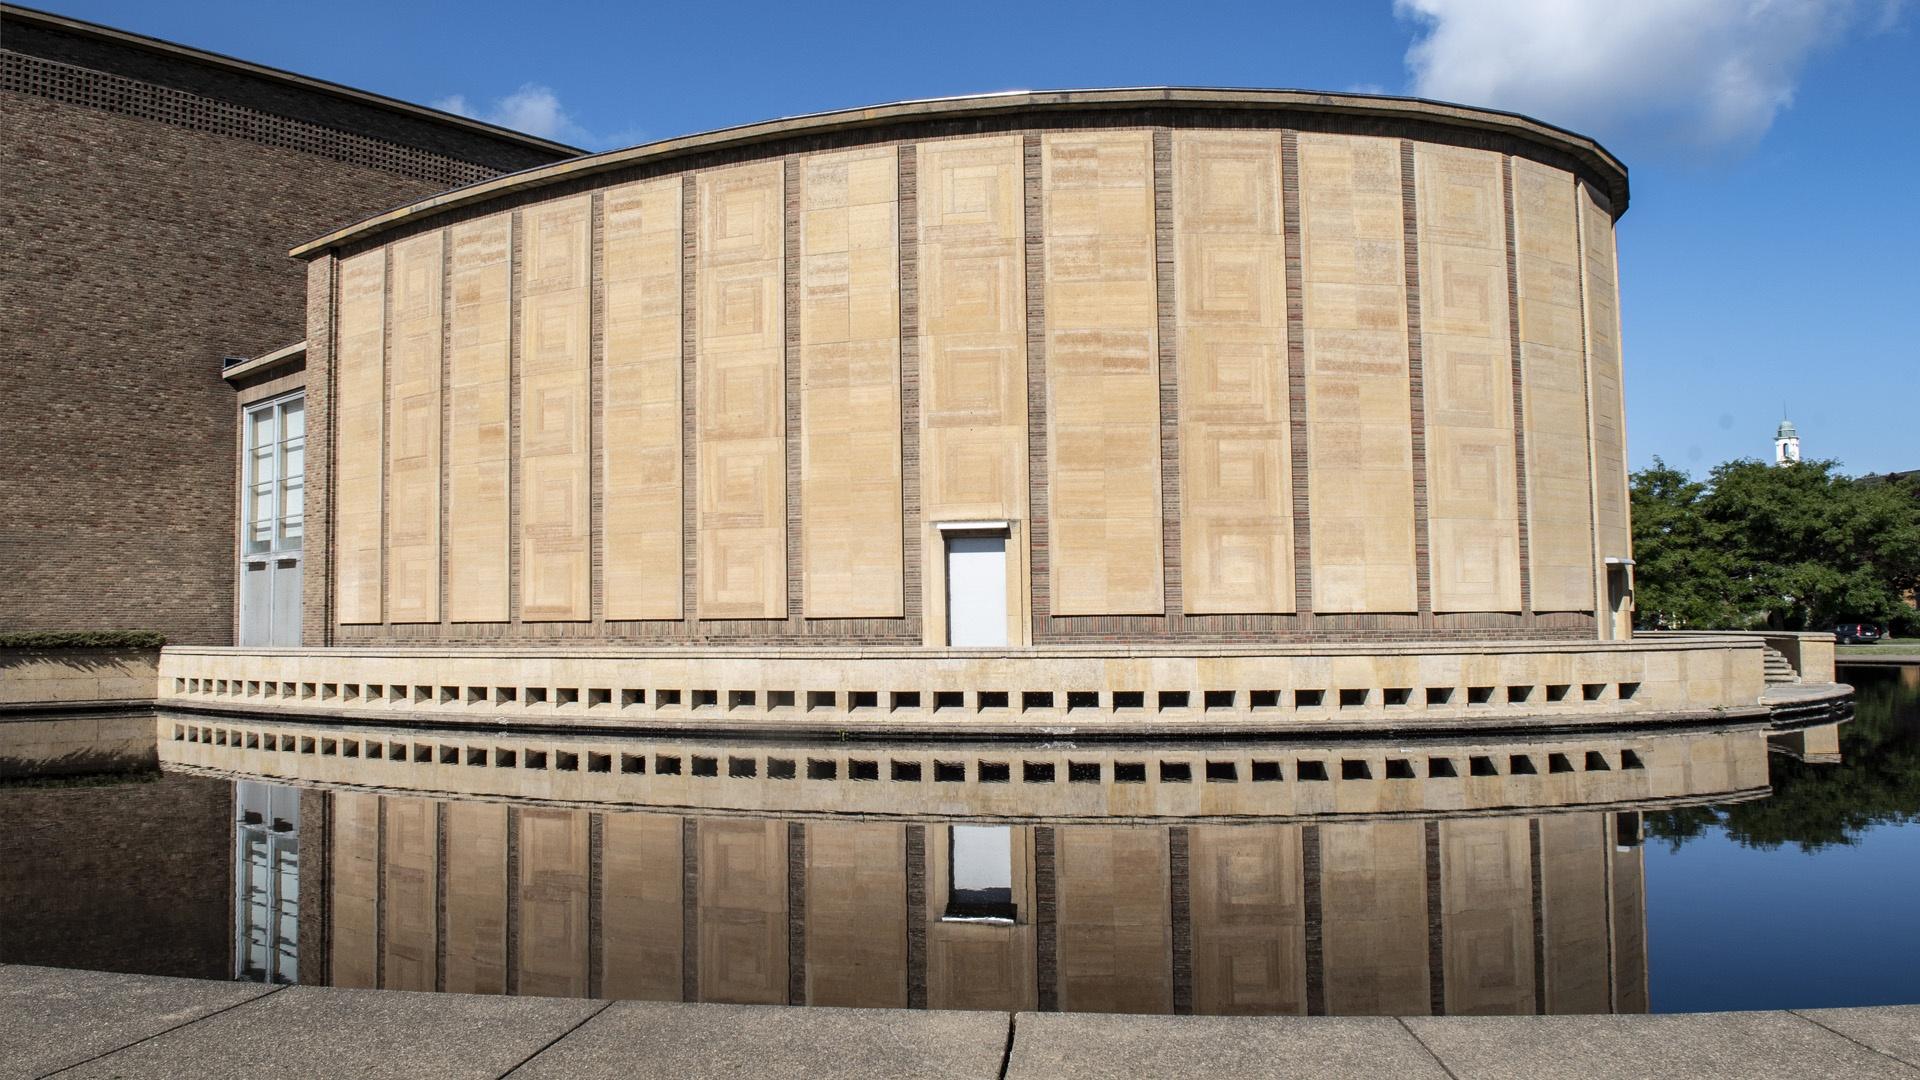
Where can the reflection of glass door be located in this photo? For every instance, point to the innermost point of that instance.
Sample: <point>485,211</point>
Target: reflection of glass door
<point>266,870</point>
<point>272,519</point>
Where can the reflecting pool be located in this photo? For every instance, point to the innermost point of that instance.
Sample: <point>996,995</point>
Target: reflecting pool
<point>1620,871</point>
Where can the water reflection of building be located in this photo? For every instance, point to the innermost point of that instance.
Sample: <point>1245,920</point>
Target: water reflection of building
<point>1461,915</point>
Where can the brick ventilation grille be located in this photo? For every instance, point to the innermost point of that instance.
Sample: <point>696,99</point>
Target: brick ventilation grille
<point>131,97</point>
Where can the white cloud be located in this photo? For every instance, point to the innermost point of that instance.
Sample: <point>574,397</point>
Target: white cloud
<point>1712,73</point>
<point>533,108</point>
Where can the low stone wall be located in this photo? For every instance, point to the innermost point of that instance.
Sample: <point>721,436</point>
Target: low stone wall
<point>1077,689</point>
<point>76,676</point>
<point>70,711</point>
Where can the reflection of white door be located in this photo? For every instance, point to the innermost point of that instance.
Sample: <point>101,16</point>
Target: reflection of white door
<point>976,590</point>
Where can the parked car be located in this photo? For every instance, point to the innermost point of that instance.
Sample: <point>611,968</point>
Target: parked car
<point>1857,633</point>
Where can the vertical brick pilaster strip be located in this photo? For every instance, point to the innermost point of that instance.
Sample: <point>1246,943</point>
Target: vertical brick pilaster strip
<point>316,884</point>
<point>796,912</point>
<point>1436,926</point>
<point>1297,380</point>
<point>516,284</point>
<point>1607,833</point>
<point>907,196</point>
<point>1416,383</point>
<point>446,442</point>
<point>1046,932</point>
<point>1536,863</point>
<point>1180,895</point>
<point>440,887</point>
<point>316,589</point>
<point>1519,394</point>
<point>790,367</point>
<point>380,893</point>
<point>596,905</point>
<point>689,909</point>
<point>917,916</point>
<point>1313,913</point>
<point>689,429</point>
<point>1168,329</point>
<point>513,900</point>
<point>1039,568</point>
<point>596,418</point>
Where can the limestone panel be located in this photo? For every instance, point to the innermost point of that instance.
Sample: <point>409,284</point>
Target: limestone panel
<point>555,374</point>
<point>743,911</point>
<point>1359,430</point>
<point>413,430</point>
<point>1486,915</point>
<point>640,244</point>
<point>355,880</point>
<point>1467,358</point>
<point>360,413</point>
<point>1115,941</point>
<point>1374,933</point>
<point>553,903</point>
<point>741,387</point>
<point>476,900</point>
<point>1236,508</point>
<point>1553,388</point>
<point>1573,899</point>
<point>1249,922</point>
<point>1603,360</point>
<point>1629,920</point>
<point>477,385</point>
<point>857,914</point>
<point>1103,379</point>
<point>850,469</point>
<point>409,895</point>
<point>642,914</point>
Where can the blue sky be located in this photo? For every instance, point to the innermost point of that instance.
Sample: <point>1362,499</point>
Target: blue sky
<point>1765,262</point>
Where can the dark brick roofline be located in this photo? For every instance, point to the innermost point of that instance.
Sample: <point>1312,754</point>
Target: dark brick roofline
<point>164,63</point>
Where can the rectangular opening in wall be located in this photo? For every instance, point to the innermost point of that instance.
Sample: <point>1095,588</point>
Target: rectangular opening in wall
<point>666,699</point>
<point>423,753</point>
<point>1222,772</point>
<point>376,691</point>
<point>1265,772</point>
<point>566,761</point>
<point>1351,769</point>
<point>1479,695</point>
<point>779,699</point>
<point>476,694</point>
<point>742,699</point>
<point>566,695</point>
<point>350,692</point>
<point>633,764</point>
<point>1310,770</point>
<point>1559,763</point>
<point>1480,765</point>
<point>328,691</point>
<point>742,768</point>
<point>329,747</point>
<point>1129,700</point>
<point>666,765</point>
<point>705,699</point>
<point>1129,772</point>
<point>1629,690</point>
<point>476,756</point>
<point>1592,691</point>
<point>1521,765</point>
<point>1353,699</point>
<point>907,772</point>
<point>449,695</point>
<point>505,695</point>
<point>1081,699</point>
<point>863,769</point>
<point>1399,769</point>
<point>904,699</point>
<point>1036,772</point>
<point>351,748</point>
<point>949,772</point>
<point>533,759</point>
<point>598,696</point>
<point>1519,695</point>
<point>780,768</point>
<point>1557,691</point>
<point>994,772</point>
<point>991,699</point>
<point>1309,699</point>
<point>1083,772</point>
<point>1263,699</point>
<point>980,873</point>
<point>306,745</point>
<point>397,752</point>
<point>1217,700</point>
<point>1176,772</point>
<point>822,699</point>
<point>949,699</point>
<point>1630,760</point>
<point>861,700</point>
<point>1396,697</point>
<point>822,769</point>
<point>601,763</point>
<point>505,759</point>
<point>1629,829</point>
<point>705,766</point>
<point>306,691</point>
<point>1173,699</point>
<point>1031,700</point>
<point>398,693</point>
<point>1597,762</point>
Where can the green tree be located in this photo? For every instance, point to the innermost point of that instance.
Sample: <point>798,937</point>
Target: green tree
<point>1758,545</point>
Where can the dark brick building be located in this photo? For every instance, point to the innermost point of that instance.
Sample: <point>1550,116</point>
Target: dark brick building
<point>148,196</point>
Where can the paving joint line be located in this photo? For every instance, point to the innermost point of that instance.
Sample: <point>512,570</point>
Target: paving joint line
<point>1006,1053</point>
<point>1854,1041</point>
<point>528,1060</point>
<point>1408,1028</point>
<point>157,1034</point>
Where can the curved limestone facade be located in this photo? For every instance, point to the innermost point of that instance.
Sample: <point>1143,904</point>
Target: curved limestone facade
<point>1198,367</point>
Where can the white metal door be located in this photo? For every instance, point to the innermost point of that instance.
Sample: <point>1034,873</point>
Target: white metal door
<point>976,590</point>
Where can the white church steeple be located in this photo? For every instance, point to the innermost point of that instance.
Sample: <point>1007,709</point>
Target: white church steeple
<point>1786,443</point>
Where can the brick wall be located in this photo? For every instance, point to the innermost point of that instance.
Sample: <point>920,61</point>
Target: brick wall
<point>149,205</point>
